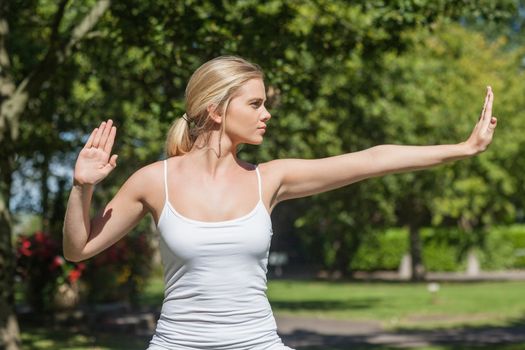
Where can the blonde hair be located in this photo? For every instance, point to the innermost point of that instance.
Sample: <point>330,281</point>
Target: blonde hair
<point>213,83</point>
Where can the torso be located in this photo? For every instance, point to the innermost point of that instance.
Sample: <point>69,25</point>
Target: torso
<point>200,197</point>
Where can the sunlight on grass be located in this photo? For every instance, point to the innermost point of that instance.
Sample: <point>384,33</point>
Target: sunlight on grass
<point>395,305</point>
<point>37,338</point>
<point>401,304</point>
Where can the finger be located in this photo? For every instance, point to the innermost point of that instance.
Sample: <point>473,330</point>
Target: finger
<point>111,140</point>
<point>484,105</point>
<point>113,160</point>
<point>493,123</point>
<point>112,164</point>
<point>98,136</point>
<point>488,111</point>
<point>105,134</point>
<point>89,142</point>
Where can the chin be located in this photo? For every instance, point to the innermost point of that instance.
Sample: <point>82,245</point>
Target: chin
<point>254,142</point>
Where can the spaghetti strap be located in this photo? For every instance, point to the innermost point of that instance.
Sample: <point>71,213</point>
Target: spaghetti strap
<point>258,181</point>
<point>166,179</point>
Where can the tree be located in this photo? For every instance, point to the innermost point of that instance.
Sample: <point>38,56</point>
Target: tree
<point>69,64</point>
<point>17,89</point>
<point>434,93</point>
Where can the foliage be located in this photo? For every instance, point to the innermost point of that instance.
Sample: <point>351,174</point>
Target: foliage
<point>445,249</point>
<point>42,268</point>
<point>429,94</point>
<point>336,86</point>
<point>504,247</point>
<point>381,251</point>
<point>120,272</point>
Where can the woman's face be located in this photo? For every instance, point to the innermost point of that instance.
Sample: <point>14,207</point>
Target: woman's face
<point>247,115</point>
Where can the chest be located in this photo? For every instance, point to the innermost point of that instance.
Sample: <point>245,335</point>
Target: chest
<point>246,237</point>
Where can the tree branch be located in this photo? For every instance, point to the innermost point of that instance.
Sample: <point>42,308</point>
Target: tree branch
<point>59,53</point>
<point>7,86</point>
<point>14,105</point>
<point>56,22</point>
<point>86,25</point>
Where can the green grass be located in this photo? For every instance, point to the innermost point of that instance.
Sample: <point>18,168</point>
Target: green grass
<point>46,339</point>
<point>39,338</point>
<point>395,305</point>
<point>402,304</point>
<point>153,293</point>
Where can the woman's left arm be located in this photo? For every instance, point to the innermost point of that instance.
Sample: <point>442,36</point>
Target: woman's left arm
<point>304,177</point>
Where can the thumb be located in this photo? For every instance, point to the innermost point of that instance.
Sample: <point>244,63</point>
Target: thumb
<point>113,161</point>
<point>493,123</point>
<point>112,164</point>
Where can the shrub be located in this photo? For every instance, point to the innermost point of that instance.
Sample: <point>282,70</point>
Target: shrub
<point>504,248</point>
<point>381,251</point>
<point>445,249</point>
<point>43,270</point>
<point>119,273</point>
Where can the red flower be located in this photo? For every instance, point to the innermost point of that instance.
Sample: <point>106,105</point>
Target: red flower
<point>57,261</point>
<point>24,248</point>
<point>26,243</point>
<point>40,237</point>
<point>81,266</point>
<point>74,275</point>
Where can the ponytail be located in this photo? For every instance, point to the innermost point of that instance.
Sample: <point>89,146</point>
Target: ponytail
<point>179,140</point>
<point>213,83</point>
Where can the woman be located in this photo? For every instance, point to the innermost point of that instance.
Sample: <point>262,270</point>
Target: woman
<point>212,208</point>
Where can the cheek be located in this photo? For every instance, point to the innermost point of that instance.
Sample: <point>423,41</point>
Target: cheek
<point>244,116</point>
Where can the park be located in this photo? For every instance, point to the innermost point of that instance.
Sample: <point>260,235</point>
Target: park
<point>428,259</point>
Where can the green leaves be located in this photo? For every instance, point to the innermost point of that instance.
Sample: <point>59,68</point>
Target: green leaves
<point>344,77</point>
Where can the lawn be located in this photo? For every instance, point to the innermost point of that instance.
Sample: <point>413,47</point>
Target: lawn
<point>395,305</point>
<point>46,339</point>
<point>402,304</point>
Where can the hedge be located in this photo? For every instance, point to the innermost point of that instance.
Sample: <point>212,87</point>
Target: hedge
<point>445,249</point>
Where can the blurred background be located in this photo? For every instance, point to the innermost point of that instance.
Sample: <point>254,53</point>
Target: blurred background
<point>432,259</point>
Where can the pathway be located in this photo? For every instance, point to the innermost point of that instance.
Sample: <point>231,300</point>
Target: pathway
<point>300,332</point>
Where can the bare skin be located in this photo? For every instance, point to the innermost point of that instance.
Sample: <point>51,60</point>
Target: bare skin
<point>212,184</point>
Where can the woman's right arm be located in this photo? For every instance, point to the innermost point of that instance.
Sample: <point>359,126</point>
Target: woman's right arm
<point>85,237</point>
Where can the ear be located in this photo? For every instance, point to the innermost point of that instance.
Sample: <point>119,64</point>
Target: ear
<point>214,113</point>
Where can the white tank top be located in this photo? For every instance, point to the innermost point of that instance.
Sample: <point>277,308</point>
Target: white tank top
<point>215,281</point>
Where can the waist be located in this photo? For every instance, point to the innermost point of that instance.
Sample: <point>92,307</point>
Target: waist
<point>225,326</point>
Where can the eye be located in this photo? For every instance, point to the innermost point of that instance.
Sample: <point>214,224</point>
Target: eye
<point>255,104</point>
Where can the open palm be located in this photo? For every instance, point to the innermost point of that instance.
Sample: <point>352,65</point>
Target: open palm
<point>95,161</point>
<point>483,132</point>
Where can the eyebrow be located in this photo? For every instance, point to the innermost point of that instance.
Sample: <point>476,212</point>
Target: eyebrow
<point>254,99</point>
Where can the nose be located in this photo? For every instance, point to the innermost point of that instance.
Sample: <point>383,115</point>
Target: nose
<point>266,115</point>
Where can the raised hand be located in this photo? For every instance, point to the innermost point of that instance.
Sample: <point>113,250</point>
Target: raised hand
<point>95,161</point>
<point>482,134</point>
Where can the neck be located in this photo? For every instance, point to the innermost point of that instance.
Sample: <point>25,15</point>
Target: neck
<point>216,155</point>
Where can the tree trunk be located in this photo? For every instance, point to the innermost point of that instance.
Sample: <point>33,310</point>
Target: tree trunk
<point>13,102</point>
<point>416,249</point>
<point>44,191</point>
<point>9,333</point>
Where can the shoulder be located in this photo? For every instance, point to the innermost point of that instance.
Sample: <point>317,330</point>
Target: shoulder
<point>273,171</point>
<point>149,172</point>
<point>275,167</point>
<point>146,179</point>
